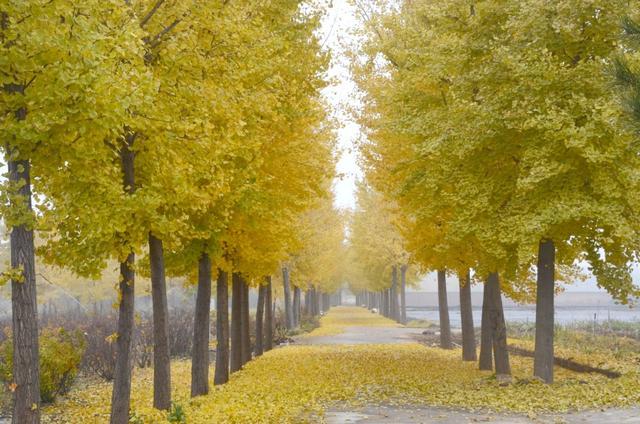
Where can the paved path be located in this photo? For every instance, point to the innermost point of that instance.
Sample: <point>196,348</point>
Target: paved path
<point>367,335</point>
<point>400,415</point>
<point>436,415</point>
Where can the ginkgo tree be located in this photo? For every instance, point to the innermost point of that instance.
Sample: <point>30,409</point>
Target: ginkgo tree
<point>500,121</point>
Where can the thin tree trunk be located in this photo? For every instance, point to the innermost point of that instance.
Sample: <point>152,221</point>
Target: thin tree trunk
<point>443,308</point>
<point>245,343</point>
<point>395,307</point>
<point>498,327</point>
<point>543,358</point>
<point>296,306</point>
<point>466,317</point>
<point>200,354</point>
<point>121,394</point>
<point>288,310</point>
<point>221,375</point>
<point>161,357</point>
<point>268,318</point>
<point>403,294</point>
<point>236,333</point>
<point>259,315</point>
<point>486,341</point>
<point>26,368</point>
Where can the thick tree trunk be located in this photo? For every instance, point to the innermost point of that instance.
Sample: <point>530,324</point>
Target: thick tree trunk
<point>268,316</point>
<point>288,309</point>
<point>543,359</point>
<point>296,306</point>
<point>161,357</point>
<point>403,294</point>
<point>486,340</point>
<point>221,375</point>
<point>245,343</point>
<point>259,325</point>
<point>443,309</point>
<point>235,362</point>
<point>26,368</point>
<point>121,394</point>
<point>200,354</point>
<point>498,327</point>
<point>466,316</point>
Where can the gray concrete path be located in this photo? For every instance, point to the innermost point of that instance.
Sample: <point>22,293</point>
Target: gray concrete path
<point>367,335</point>
<point>401,415</point>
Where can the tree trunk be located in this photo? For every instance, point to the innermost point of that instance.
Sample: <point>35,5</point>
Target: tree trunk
<point>236,333</point>
<point>498,327</point>
<point>26,368</point>
<point>296,306</point>
<point>121,394</point>
<point>221,375</point>
<point>245,344</point>
<point>307,294</point>
<point>543,359</point>
<point>395,307</point>
<point>288,310</point>
<point>486,340</point>
<point>161,357</point>
<point>443,309</point>
<point>466,317</point>
<point>259,315</point>
<point>403,294</point>
<point>200,355</point>
<point>268,317</point>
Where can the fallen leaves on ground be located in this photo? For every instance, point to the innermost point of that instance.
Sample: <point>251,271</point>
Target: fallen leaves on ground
<point>341,317</point>
<point>296,383</point>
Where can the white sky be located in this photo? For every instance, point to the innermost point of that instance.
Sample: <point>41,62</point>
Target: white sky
<point>337,26</point>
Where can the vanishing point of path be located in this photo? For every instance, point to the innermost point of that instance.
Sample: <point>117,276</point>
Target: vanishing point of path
<point>387,414</point>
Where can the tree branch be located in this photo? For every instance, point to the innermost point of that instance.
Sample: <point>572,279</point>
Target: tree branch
<point>150,14</point>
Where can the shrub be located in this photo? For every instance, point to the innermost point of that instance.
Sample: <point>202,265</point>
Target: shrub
<point>177,415</point>
<point>60,355</point>
<point>100,354</point>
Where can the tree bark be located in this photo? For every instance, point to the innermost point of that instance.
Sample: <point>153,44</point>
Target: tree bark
<point>200,355</point>
<point>121,394</point>
<point>498,327</point>
<point>26,365</point>
<point>245,344</point>
<point>288,309</point>
<point>466,316</point>
<point>403,294</point>
<point>296,306</point>
<point>443,309</point>
<point>259,325</point>
<point>543,359</point>
<point>236,333</point>
<point>268,316</point>
<point>161,357</point>
<point>221,375</point>
<point>395,307</point>
<point>486,340</point>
